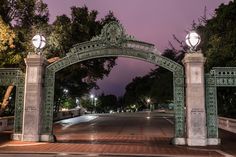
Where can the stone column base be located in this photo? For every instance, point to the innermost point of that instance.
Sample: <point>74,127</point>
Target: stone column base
<point>196,142</point>
<point>30,138</point>
<point>33,138</point>
<point>47,138</point>
<point>179,141</point>
<point>213,141</point>
<point>16,137</point>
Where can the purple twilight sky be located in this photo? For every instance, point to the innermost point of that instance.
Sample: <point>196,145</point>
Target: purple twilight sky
<point>151,21</point>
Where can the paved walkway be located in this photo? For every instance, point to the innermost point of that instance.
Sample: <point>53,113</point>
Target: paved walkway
<point>117,136</point>
<point>116,145</point>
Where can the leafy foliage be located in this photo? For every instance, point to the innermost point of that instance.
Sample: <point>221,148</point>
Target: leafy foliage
<point>157,85</point>
<point>106,103</point>
<point>87,103</point>
<point>79,78</point>
<point>21,19</point>
<point>17,20</point>
<point>219,47</point>
<point>6,37</point>
<point>219,37</point>
<point>7,45</point>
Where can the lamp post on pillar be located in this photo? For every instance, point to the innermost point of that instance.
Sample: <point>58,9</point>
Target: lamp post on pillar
<point>39,43</point>
<point>33,102</point>
<point>195,92</point>
<point>192,40</point>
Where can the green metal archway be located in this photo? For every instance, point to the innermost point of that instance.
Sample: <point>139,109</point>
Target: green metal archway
<point>15,77</point>
<point>217,77</point>
<point>114,42</point>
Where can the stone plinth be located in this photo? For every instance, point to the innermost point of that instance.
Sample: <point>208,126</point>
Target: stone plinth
<point>32,114</point>
<point>179,141</point>
<point>195,99</point>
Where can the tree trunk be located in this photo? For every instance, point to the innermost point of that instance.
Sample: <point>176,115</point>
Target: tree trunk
<point>5,100</point>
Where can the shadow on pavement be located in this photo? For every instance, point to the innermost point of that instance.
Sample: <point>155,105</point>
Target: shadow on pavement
<point>5,137</point>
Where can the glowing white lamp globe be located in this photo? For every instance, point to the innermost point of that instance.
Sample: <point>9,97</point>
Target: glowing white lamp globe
<point>192,40</point>
<point>39,41</point>
<point>91,96</point>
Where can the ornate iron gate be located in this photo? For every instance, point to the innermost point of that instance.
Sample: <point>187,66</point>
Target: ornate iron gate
<point>11,76</point>
<point>218,77</point>
<point>114,42</point>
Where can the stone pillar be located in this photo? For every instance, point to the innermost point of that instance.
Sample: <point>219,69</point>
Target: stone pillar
<point>195,99</point>
<point>32,112</point>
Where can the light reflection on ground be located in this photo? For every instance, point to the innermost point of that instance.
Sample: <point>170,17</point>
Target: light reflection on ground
<point>73,121</point>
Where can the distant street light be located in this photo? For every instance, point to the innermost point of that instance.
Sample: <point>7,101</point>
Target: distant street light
<point>95,101</point>
<point>149,104</point>
<point>77,101</point>
<point>192,40</point>
<point>39,42</point>
<point>65,91</point>
<point>91,96</point>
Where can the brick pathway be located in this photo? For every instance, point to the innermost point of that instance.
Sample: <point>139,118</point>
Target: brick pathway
<point>116,145</point>
<point>117,136</point>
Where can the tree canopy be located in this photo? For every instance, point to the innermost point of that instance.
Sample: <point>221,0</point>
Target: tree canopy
<point>17,19</point>
<point>20,20</point>
<point>79,78</point>
<point>219,37</point>
<point>157,85</point>
<point>219,47</point>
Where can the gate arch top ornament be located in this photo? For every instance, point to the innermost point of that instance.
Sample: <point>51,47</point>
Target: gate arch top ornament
<point>114,42</point>
<point>112,34</point>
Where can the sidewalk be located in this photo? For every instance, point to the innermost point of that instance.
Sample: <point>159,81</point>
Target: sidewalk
<point>109,145</point>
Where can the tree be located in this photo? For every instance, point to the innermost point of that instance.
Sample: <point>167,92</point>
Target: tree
<point>219,47</point>
<point>79,78</point>
<point>219,37</point>
<point>8,56</point>
<point>25,17</point>
<point>106,103</point>
<point>138,91</point>
<point>86,103</point>
<point>157,85</point>
<point>7,37</point>
<point>24,13</point>
<point>218,44</point>
<point>68,103</point>
<point>14,40</point>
